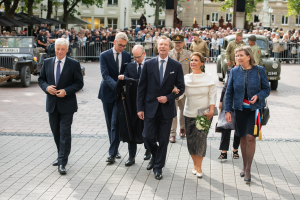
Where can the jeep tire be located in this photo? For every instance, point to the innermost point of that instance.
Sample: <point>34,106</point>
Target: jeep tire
<point>274,85</point>
<point>25,76</point>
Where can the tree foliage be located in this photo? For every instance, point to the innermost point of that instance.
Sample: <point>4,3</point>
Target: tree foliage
<point>250,6</point>
<point>159,6</point>
<point>293,7</point>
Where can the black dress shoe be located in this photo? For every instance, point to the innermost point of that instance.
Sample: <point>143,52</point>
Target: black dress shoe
<point>110,159</point>
<point>150,165</point>
<point>118,156</point>
<point>62,170</point>
<point>55,163</point>
<point>130,161</point>
<point>158,176</point>
<point>147,155</point>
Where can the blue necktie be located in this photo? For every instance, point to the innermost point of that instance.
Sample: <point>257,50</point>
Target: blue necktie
<point>117,61</point>
<point>58,71</point>
<point>139,69</point>
<point>161,72</point>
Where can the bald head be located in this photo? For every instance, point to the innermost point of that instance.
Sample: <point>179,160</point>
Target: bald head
<point>139,53</point>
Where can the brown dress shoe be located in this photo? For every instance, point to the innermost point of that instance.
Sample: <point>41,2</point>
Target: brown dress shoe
<point>182,132</point>
<point>172,139</point>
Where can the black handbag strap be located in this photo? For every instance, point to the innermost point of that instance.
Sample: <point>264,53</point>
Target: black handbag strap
<point>261,110</point>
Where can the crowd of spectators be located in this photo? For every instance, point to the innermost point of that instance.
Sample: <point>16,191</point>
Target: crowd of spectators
<point>283,45</point>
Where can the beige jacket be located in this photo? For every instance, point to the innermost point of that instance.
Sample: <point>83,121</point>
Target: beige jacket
<point>184,59</point>
<point>200,47</point>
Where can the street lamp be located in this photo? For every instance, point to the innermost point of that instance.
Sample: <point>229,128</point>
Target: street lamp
<point>179,10</point>
<point>270,11</point>
<point>22,4</point>
<point>125,17</point>
<point>56,9</point>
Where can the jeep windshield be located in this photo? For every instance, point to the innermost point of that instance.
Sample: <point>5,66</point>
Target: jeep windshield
<point>16,42</point>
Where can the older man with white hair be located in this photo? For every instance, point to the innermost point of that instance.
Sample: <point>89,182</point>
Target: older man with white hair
<point>112,63</point>
<point>60,79</point>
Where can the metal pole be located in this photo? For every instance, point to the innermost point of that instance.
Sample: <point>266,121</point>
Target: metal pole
<point>125,17</point>
<point>203,13</point>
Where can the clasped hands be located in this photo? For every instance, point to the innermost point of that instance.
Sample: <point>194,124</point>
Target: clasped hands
<point>53,91</point>
<point>228,114</point>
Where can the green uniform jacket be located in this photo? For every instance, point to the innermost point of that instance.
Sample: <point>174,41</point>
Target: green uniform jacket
<point>200,47</point>
<point>230,50</point>
<point>184,59</point>
<point>257,54</point>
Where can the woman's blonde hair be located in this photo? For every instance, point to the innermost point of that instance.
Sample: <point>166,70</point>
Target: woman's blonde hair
<point>201,57</point>
<point>248,52</point>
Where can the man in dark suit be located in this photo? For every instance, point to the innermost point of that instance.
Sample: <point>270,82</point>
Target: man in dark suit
<point>156,102</point>
<point>60,79</point>
<point>112,63</point>
<point>133,71</point>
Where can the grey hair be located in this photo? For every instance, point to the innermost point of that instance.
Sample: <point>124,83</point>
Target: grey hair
<point>248,51</point>
<point>62,41</point>
<point>164,38</point>
<point>122,36</point>
<point>138,47</point>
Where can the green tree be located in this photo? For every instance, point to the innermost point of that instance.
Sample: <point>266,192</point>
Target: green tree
<point>69,7</point>
<point>293,7</point>
<point>250,6</point>
<point>157,4</point>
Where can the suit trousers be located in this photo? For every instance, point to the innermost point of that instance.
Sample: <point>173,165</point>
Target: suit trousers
<point>110,111</point>
<point>179,104</point>
<point>132,148</point>
<point>225,141</point>
<point>157,129</point>
<point>60,125</point>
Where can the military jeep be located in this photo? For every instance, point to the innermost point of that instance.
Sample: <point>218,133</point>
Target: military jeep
<point>272,66</point>
<point>19,59</point>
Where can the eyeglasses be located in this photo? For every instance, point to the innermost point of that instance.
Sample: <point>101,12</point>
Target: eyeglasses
<point>137,57</point>
<point>123,46</point>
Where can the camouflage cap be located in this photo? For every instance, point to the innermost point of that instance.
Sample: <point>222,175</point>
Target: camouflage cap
<point>178,38</point>
<point>239,33</point>
<point>252,38</point>
<point>166,34</point>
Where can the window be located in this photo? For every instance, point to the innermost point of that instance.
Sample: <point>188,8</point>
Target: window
<point>229,17</point>
<point>133,4</point>
<point>161,22</point>
<point>99,23</point>
<point>88,26</point>
<point>214,17</point>
<point>298,20</point>
<point>273,19</point>
<point>256,19</point>
<point>112,23</point>
<point>134,23</point>
<point>285,20</point>
<point>112,2</point>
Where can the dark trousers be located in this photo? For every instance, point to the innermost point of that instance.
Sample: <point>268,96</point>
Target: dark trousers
<point>60,125</point>
<point>157,129</point>
<point>225,141</point>
<point>110,111</point>
<point>132,148</point>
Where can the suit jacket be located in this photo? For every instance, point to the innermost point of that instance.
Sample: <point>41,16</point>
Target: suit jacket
<point>131,72</point>
<point>149,88</point>
<point>110,73</point>
<point>71,81</point>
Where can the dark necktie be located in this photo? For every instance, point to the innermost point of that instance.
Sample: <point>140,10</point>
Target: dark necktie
<point>140,70</point>
<point>161,72</point>
<point>117,61</point>
<point>58,71</point>
<point>178,57</point>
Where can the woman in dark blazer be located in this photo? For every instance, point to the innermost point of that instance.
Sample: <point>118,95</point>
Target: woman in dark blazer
<point>247,89</point>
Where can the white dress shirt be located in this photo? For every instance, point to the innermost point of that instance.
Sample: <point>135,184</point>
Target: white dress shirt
<point>137,65</point>
<point>120,58</point>
<point>164,65</point>
<point>61,66</point>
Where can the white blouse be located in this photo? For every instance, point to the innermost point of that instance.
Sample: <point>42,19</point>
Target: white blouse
<point>200,92</point>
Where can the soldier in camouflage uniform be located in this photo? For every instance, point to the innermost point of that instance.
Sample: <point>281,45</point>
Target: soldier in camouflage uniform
<point>182,56</point>
<point>200,46</point>
<point>255,49</point>
<point>238,42</point>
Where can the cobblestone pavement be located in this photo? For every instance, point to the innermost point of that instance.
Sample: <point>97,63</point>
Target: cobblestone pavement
<point>22,110</point>
<point>27,150</point>
<point>26,172</point>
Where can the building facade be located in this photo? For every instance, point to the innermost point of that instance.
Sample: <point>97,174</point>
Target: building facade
<point>205,12</point>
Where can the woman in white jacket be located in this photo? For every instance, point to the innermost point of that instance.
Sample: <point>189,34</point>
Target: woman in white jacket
<point>215,47</point>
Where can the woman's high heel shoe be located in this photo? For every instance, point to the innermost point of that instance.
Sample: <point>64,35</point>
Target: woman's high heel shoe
<point>199,175</point>
<point>247,180</point>
<point>194,171</point>
<point>223,156</point>
<point>242,174</point>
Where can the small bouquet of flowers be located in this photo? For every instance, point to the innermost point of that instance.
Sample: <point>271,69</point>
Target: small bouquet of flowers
<point>35,59</point>
<point>202,123</point>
